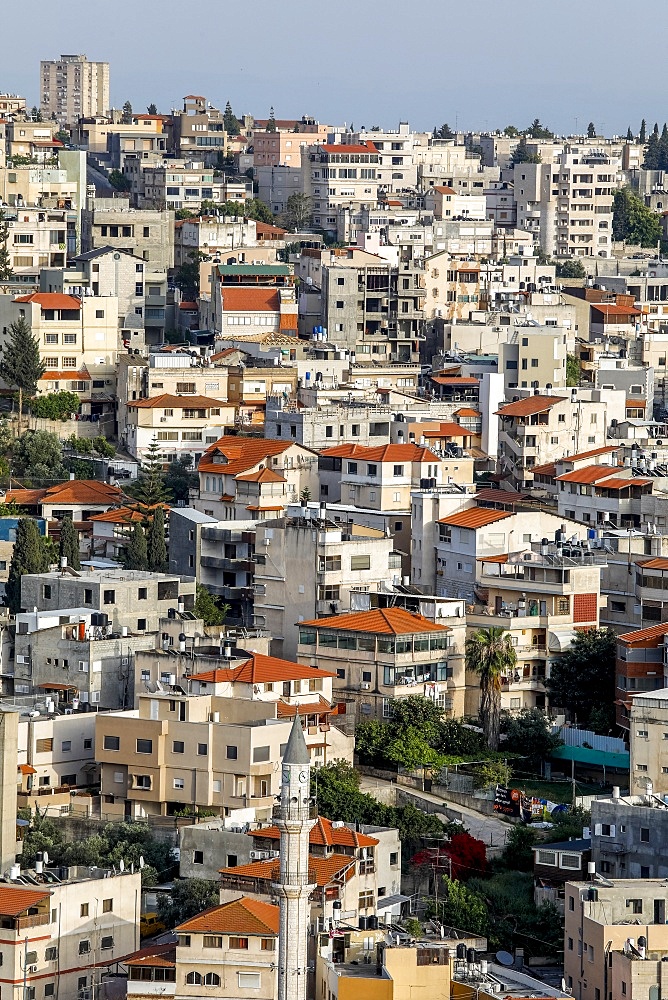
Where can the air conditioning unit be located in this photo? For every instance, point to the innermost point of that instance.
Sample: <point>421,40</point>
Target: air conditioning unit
<point>366,687</point>
<point>261,855</point>
<point>32,968</point>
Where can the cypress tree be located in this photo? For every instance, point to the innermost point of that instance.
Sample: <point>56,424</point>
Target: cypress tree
<point>629,134</point>
<point>69,542</point>
<point>21,365</point>
<point>151,488</point>
<point>642,135</point>
<point>136,556</point>
<point>155,542</point>
<point>29,556</point>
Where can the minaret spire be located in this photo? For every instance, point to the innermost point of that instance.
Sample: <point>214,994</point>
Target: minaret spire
<point>293,817</point>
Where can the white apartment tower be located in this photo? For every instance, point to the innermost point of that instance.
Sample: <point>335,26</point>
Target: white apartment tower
<point>293,888</point>
<point>72,87</point>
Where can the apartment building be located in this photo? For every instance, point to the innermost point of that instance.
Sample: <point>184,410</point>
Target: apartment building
<point>39,238</point>
<point>534,356</point>
<point>146,233</point>
<point>277,183</point>
<point>72,87</point>
<point>604,495</point>
<point>260,476</point>
<point>175,184</point>
<point>58,182</point>
<point>54,752</point>
<point>279,148</point>
<point>629,831</point>
<point>310,565</point>
<point>63,926</point>
<point>197,131</point>
<point>194,424</point>
<point>541,597</point>
<point>338,175</point>
<point>383,654</point>
<point>540,429</point>
<point>247,299</point>
<point>377,478</point>
<point>120,593</point>
<point>641,663</point>
<point>636,381</point>
<point>362,962</point>
<point>567,203</point>
<point>615,937</point>
<point>209,751</point>
<point>646,723</point>
<point>213,236</point>
<point>103,134</point>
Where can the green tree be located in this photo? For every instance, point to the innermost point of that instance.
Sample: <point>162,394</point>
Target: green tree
<point>188,897</point>
<point>572,370</point>
<point>208,609</point>
<point>21,366</point>
<point>490,654</point>
<point>119,181</point>
<point>461,907</point>
<point>572,267</point>
<point>538,131</point>
<point>629,134</point>
<point>444,132</point>
<point>150,487</point>
<point>511,131</point>
<point>155,542</point>
<point>417,711</point>
<point>29,556</point>
<point>256,209</point>
<point>517,855</point>
<point>408,747</point>
<point>68,546</point>
<point>136,555</point>
<point>180,478</point>
<point>230,121</point>
<point>271,123</point>
<point>521,153</point>
<point>55,405</point>
<point>36,114</point>
<point>591,131</point>
<point>528,734</point>
<point>492,773</point>
<point>187,276</point>
<point>103,447</point>
<point>456,739</point>
<point>38,455</point>
<point>127,113</point>
<point>152,109</point>
<point>642,135</point>
<point>6,270</point>
<point>633,221</point>
<point>583,678</point>
<point>298,212</point>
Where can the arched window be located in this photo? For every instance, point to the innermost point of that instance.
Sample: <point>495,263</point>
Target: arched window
<point>194,979</point>
<point>212,979</point>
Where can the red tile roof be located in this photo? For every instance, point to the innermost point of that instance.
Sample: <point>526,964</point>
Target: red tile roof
<point>475,517</point>
<point>603,450</point>
<point>247,299</point>
<point>590,474</point>
<point>362,147</point>
<point>125,515</point>
<point>83,491</point>
<point>467,411</point>
<point>447,428</point>
<point>549,469</point>
<point>261,476</point>
<point>530,404</point>
<point>383,452</point>
<point>241,454</point>
<point>321,871</point>
<point>658,562</point>
<point>621,482</point>
<point>24,498</point>
<point>494,559</point>
<point>52,300</point>
<point>260,669</point>
<point>380,621</point>
<point>51,375</point>
<point>240,916</point>
<point>324,834</point>
<point>161,955</point>
<point>169,400</point>
<point>455,380</point>
<point>443,189</point>
<point>14,901</point>
<point>284,710</point>
<point>609,310</point>
<point>643,634</point>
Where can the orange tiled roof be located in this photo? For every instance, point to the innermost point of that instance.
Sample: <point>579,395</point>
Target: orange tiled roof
<point>642,634</point>
<point>620,482</point>
<point>247,299</point>
<point>169,400</point>
<point>494,559</point>
<point>14,901</point>
<point>241,454</point>
<point>240,916</point>
<point>51,375</point>
<point>52,300</point>
<point>448,428</point>
<point>530,404</point>
<point>590,474</point>
<point>284,710</point>
<point>24,498</point>
<point>658,562</point>
<point>467,411</point>
<point>444,189</point>
<point>321,871</point>
<point>125,515</point>
<point>549,469</point>
<point>362,147</point>
<point>455,380</point>
<point>603,450</point>
<point>384,452</point>
<point>475,517</point>
<point>82,491</point>
<point>261,476</point>
<point>325,834</point>
<point>608,309</point>
<point>261,669</point>
<point>380,621</point>
<point>162,955</point>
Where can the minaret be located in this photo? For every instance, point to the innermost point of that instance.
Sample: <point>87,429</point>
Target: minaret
<point>293,888</point>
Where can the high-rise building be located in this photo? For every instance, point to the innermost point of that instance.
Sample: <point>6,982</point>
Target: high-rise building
<point>294,819</point>
<point>72,87</point>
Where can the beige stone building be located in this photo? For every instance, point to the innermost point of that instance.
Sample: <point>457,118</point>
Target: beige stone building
<point>72,87</point>
<point>182,425</point>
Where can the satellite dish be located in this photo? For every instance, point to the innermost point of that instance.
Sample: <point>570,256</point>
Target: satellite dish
<point>141,861</point>
<point>46,857</point>
<point>121,865</point>
<point>504,958</point>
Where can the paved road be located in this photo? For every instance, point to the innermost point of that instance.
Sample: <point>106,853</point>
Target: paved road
<point>489,829</point>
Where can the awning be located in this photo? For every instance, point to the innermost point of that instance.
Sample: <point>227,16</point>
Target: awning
<point>560,639</point>
<point>58,687</point>
<point>385,902</point>
<point>27,769</point>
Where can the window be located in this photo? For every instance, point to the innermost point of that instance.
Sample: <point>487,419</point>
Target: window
<point>193,978</point>
<point>88,596</point>
<point>51,954</point>
<point>212,979</point>
<point>398,470</point>
<point>84,946</point>
<point>111,743</point>
<point>178,746</point>
<point>360,562</point>
<point>635,905</point>
<point>238,943</point>
<point>179,783</point>
<point>44,745</point>
<point>202,749</point>
<point>571,902</point>
<point>644,835</point>
<point>109,597</point>
<point>212,941</point>
<point>107,942</point>
<point>261,754</point>
<point>49,989</point>
<point>249,980</point>
<point>232,753</point>
<point>366,899</point>
<point>83,910</point>
<point>142,594</point>
<point>546,858</point>
<point>198,857</point>
<point>47,592</point>
<point>144,746</point>
<point>142,781</point>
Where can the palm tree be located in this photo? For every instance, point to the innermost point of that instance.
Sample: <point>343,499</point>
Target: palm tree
<point>490,653</point>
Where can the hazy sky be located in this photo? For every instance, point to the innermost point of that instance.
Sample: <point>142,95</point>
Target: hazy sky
<point>479,64</point>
